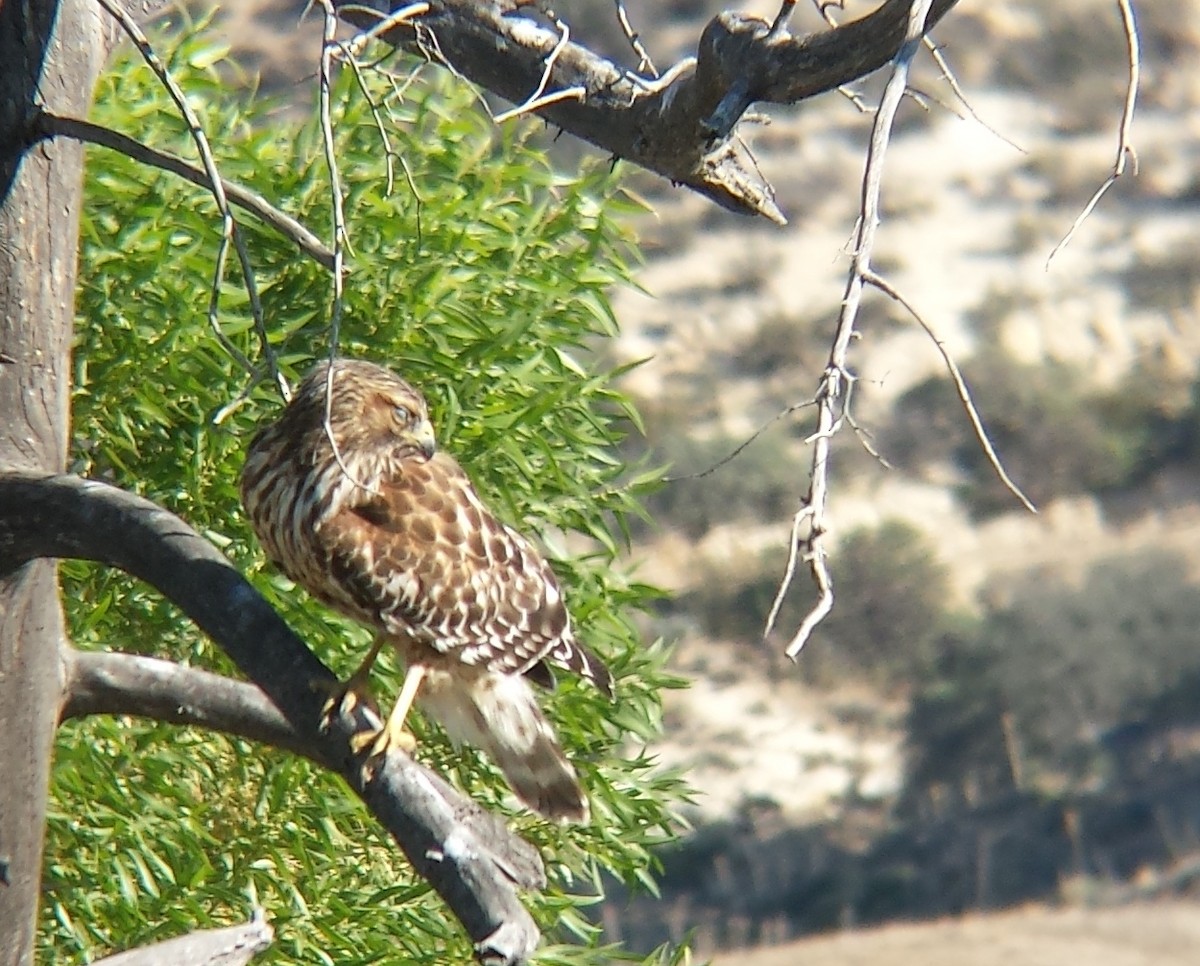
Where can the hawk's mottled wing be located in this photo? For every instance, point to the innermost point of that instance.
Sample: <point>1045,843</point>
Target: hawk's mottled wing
<point>429,563</point>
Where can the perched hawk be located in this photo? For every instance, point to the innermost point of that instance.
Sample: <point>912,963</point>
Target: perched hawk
<point>350,497</point>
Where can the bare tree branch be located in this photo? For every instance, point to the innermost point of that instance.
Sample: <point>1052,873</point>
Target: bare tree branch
<point>645,64</point>
<point>228,225</point>
<point>1125,149</point>
<point>960,387</point>
<point>51,125</point>
<point>837,380</point>
<point>227,946</point>
<point>109,682</point>
<point>467,854</point>
<point>682,129</point>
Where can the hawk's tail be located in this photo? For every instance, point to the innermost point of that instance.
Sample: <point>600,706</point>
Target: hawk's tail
<point>573,656</point>
<point>499,714</point>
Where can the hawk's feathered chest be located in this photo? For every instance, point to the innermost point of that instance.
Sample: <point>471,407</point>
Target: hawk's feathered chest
<point>407,547</point>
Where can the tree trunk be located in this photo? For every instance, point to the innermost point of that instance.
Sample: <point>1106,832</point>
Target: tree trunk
<point>50,54</point>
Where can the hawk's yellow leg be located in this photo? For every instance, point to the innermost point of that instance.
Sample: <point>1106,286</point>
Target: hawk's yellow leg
<point>392,734</point>
<point>348,695</point>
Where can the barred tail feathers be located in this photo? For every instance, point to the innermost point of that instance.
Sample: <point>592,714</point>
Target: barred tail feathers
<point>574,657</point>
<point>499,714</point>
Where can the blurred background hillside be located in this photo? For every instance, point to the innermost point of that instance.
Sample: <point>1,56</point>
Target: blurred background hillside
<point>1003,708</point>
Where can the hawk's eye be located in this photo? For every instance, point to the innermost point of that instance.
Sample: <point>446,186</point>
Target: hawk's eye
<point>403,415</point>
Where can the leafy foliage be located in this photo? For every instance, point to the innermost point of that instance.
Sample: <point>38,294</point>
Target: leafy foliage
<point>485,282</point>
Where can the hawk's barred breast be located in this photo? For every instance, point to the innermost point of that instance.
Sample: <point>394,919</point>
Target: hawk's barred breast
<point>349,498</point>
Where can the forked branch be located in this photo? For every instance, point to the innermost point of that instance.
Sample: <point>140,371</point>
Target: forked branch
<point>809,526</point>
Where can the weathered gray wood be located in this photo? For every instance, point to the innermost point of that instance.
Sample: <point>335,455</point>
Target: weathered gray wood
<point>47,54</point>
<point>684,129</point>
<point>228,946</point>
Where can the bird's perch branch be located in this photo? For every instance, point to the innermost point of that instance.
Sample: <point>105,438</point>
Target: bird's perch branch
<point>681,126</point>
<point>107,682</point>
<point>227,946</point>
<point>467,854</point>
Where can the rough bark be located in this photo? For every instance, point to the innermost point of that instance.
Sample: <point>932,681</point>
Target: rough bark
<point>684,129</point>
<point>228,946</point>
<point>50,53</point>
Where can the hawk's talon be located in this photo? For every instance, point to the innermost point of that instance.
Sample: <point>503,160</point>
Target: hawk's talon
<point>343,698</point>
<point>376,745</point>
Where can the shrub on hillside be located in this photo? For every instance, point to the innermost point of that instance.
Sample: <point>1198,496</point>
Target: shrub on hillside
<point>1055,434</point>
<point>1034,691</point>
<point>890,607</point>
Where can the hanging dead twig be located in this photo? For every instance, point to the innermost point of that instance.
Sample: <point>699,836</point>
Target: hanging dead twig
<point>1125,149</point>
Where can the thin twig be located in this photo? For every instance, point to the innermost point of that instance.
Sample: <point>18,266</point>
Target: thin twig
<point>356,44</point>
<point>529,107</point>
<point>789,571</point>
<point>782,18</point>
<point>340,239</point>
<point>952,81</point>
<point>1125,147</point>
<point>55,125</point>
<point>657,85</point>
<point>388,153</point>
<point>228,225</point>
<point>960,386</point>
<point>260,323</point>
<point>536,100</point>
<point>849,93</point>
<point>398,93</point>
<point>863,436</point>
<point>856,99</point>
<point>644,62</point>
<point>737,451</point>
<point>412,186</point>
<point>830,396</point>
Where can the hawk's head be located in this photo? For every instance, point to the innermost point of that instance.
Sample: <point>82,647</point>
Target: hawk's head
<point>371,410</point>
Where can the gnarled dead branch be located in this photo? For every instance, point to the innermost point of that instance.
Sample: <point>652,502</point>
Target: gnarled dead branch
<point>682,126</point>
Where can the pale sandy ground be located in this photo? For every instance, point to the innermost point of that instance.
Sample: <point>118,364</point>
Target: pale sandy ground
<point>1162,934</point>
<point>740,739</point>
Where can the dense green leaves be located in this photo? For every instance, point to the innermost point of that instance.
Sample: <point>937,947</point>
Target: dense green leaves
<point>484,281</point>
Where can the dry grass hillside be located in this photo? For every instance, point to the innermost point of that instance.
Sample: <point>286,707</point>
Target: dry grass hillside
<point>971,217</point>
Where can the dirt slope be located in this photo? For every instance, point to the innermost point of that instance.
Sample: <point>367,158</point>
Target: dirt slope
<point>1162,934</point>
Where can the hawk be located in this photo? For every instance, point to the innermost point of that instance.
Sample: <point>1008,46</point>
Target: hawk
<point>350,496</point>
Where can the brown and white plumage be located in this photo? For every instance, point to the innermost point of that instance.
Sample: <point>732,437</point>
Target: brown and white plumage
<point>391,532</point>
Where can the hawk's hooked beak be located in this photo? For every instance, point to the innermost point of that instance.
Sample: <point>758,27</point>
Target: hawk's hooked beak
<point>423,437</point>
